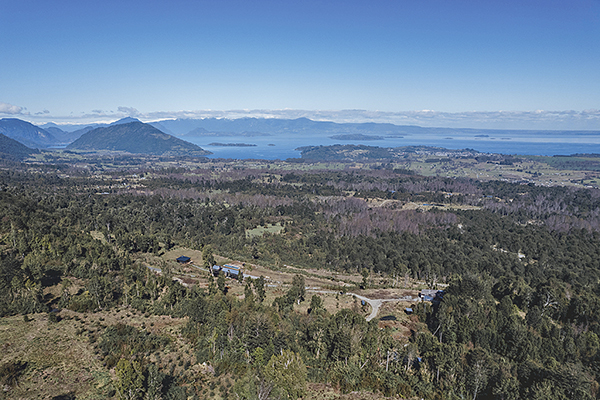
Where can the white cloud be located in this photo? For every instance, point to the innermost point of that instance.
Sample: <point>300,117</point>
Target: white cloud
<point>6,108</point>
<point>132,112</point>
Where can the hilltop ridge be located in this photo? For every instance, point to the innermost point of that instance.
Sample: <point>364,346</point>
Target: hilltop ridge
<point>135,137</point>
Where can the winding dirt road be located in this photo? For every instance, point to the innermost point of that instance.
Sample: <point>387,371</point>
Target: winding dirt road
<point>374,303</point>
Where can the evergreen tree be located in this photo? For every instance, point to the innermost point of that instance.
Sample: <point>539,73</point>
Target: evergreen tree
<point>287,373</point>
<point>130,379</point>
<point>259,285</point>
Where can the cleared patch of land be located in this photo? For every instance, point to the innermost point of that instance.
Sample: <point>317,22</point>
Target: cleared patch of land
<point>61,357</point>
<point>261,230</point>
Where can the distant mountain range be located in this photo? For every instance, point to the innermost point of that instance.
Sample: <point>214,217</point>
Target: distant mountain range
<point>26,133</point>
<point>135,137</point>
<point>272,126</point>
<point>201,132</point>
<point>356,136</point>
<point>71,128</point>
<point>66,134</point>
<point>128,134</point>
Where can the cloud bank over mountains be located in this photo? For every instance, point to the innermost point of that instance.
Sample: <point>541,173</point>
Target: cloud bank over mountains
<point>9,109</point>
<point>540,119</point>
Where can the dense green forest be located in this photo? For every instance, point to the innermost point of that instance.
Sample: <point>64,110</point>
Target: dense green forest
<point>519,318</point>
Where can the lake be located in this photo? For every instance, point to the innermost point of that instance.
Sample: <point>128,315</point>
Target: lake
<point>507,142</point>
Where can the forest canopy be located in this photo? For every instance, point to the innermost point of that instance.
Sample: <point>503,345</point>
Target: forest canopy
<point>519,266</point>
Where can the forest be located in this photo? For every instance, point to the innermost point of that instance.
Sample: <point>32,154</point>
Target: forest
<point>519,266</point>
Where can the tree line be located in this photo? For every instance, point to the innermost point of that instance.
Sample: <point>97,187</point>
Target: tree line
<point>519,318</point>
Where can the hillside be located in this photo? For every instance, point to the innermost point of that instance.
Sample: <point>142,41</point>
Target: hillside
<point>26,133</point>
<point>135,137</point>
<point>10,148</point>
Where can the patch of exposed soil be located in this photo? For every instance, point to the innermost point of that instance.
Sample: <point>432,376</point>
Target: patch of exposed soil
<point>378,294</point>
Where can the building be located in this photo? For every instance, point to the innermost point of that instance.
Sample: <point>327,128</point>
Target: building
<point>183,260</point>
<point>230,271</point>
<point>432,295</point>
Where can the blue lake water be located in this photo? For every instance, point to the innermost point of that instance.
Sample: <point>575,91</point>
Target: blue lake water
<point>283,146</point>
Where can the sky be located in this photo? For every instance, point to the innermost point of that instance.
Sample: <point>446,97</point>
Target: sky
<point>515,64</point>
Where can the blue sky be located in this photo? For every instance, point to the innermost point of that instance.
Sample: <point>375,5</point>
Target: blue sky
<point>463,61</point>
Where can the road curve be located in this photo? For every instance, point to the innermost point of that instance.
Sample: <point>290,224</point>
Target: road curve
<point>374,303</point>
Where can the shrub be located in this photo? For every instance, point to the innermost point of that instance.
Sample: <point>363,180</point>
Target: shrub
<point>11,372</point>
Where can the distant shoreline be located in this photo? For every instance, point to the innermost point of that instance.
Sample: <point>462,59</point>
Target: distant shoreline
<point>356,136</point>
<point>231,144</point>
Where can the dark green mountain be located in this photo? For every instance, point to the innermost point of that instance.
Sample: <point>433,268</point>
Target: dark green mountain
<point>135,137</point>
<point>10,148</point>
<point>26,133</point>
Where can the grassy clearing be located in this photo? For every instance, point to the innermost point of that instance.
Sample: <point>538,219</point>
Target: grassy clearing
<point>401,328</point>
<point>261,230</point>
<point>534,170</point>
<point>171,255</point>
<point>59,360</point>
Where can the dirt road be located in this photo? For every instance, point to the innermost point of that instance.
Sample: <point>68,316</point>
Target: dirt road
<point>374,303</point>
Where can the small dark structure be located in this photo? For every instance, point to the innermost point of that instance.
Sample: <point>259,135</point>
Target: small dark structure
<point>183,260</point>
<point>388,318</point>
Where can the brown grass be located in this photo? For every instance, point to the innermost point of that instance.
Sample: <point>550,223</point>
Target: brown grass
<point>59,360</point>
<point>387,293</point>
<point>62,361</point>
